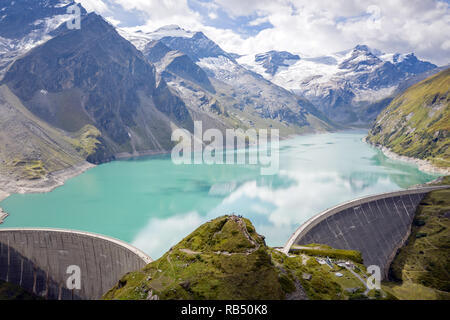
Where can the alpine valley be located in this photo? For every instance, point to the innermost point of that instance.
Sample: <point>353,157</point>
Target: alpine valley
<point>350,87</point>
<point>115,90</point>
<point>70,98</point>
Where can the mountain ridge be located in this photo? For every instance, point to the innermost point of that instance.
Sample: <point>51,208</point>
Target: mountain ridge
<point>416,123</point>
<point>350,87</point>
<point>242,92</point>
<point>101,79</point>
<point>226,259</point>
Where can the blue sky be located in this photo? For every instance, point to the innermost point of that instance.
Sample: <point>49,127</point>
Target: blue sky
<point>221,19</point>
<point>304,27</point>
<point>216,18</point>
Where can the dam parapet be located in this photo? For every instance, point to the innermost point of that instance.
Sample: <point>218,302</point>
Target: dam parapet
<point>44,262</point>
<point>377,226</point>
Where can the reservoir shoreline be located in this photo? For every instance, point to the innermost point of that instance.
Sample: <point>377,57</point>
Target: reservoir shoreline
<point>47,184</point>
<point>423,165</point>
<point>164,201</point>
<point>8,186</point>
<point>58,178</point>
<point>55,179</point>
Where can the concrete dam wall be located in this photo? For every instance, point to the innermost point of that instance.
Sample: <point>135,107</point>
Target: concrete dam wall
<point>42,261</point>
<point>377,226</point>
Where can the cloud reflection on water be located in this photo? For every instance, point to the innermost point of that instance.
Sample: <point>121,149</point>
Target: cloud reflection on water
<point>311,180</point>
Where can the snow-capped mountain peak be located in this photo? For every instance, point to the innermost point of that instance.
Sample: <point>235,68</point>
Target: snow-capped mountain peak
<point>195,44</point>
<point>27,23</point>
<point>342,80</point>
<point>271,61</point>
<point>360,59</point>
<point>363,47</point>
<point>171,31</point>
<point>141,38</point>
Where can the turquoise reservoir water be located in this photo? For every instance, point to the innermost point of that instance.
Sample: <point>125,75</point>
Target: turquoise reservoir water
<point>153,203</point>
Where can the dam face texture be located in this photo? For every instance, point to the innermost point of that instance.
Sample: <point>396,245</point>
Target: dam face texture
<point>377,226</point>
<point>49,262</point>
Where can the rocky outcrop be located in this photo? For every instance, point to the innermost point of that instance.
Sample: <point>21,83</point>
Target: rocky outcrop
<point>94,76</point>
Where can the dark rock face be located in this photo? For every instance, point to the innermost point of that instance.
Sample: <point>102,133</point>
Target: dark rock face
<point>197,47</point>
<point>155,51</point>
<point>361,58</point>
<point>196,58</point>
<point>183,66</point>
<point>177,63</point>
<point>374,73</point>
<point>101,75</point>
<point>411,65</point>
<point>272,60</point>
<point>21,15</point>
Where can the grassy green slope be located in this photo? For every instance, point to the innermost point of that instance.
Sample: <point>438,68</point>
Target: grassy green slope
<point>421,269</point>
<point>226,259</point>
<point>417,123</point>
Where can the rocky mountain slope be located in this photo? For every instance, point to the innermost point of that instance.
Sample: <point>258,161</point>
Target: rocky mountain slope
<point>93,85</point>
<point>226,259</point>
<point>31,149</point>
<point>245,95</point>
<point>93,76</point>
<point>350,87</point>
<point>417,123</point>
<point>192,84</point>
<point>25,24</point>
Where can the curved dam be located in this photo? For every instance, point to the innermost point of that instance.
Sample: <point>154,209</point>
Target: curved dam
<point>377,226</point>
<point>65,265</point>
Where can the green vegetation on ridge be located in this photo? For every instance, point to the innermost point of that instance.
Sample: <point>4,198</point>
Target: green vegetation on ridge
<point>226,259</point>
<point>421,268</point>
<point>322,250</point>
<point>417,123</point>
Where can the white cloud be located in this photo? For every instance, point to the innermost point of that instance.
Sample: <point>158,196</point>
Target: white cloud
<point>258,21</point>
<point>212,15</point>
<point>113,21</point>
<point>161,234</point>
<point>312,27</point>
<point>321,27</point>
<point>164,12</point>
<point>94,5</point>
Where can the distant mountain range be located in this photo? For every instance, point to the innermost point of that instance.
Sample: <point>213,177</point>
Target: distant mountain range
<point>350,87</point>
<point>68,96</point>
<point>247,96</point>
<point>99,93</point>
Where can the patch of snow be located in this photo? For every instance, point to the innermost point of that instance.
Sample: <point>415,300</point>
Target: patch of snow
<point>222,67</point>
<point>10,49</point>
<point>63,3</point>
<point>140,38</point>
<point>370,95</point>
<point>172,31</point>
